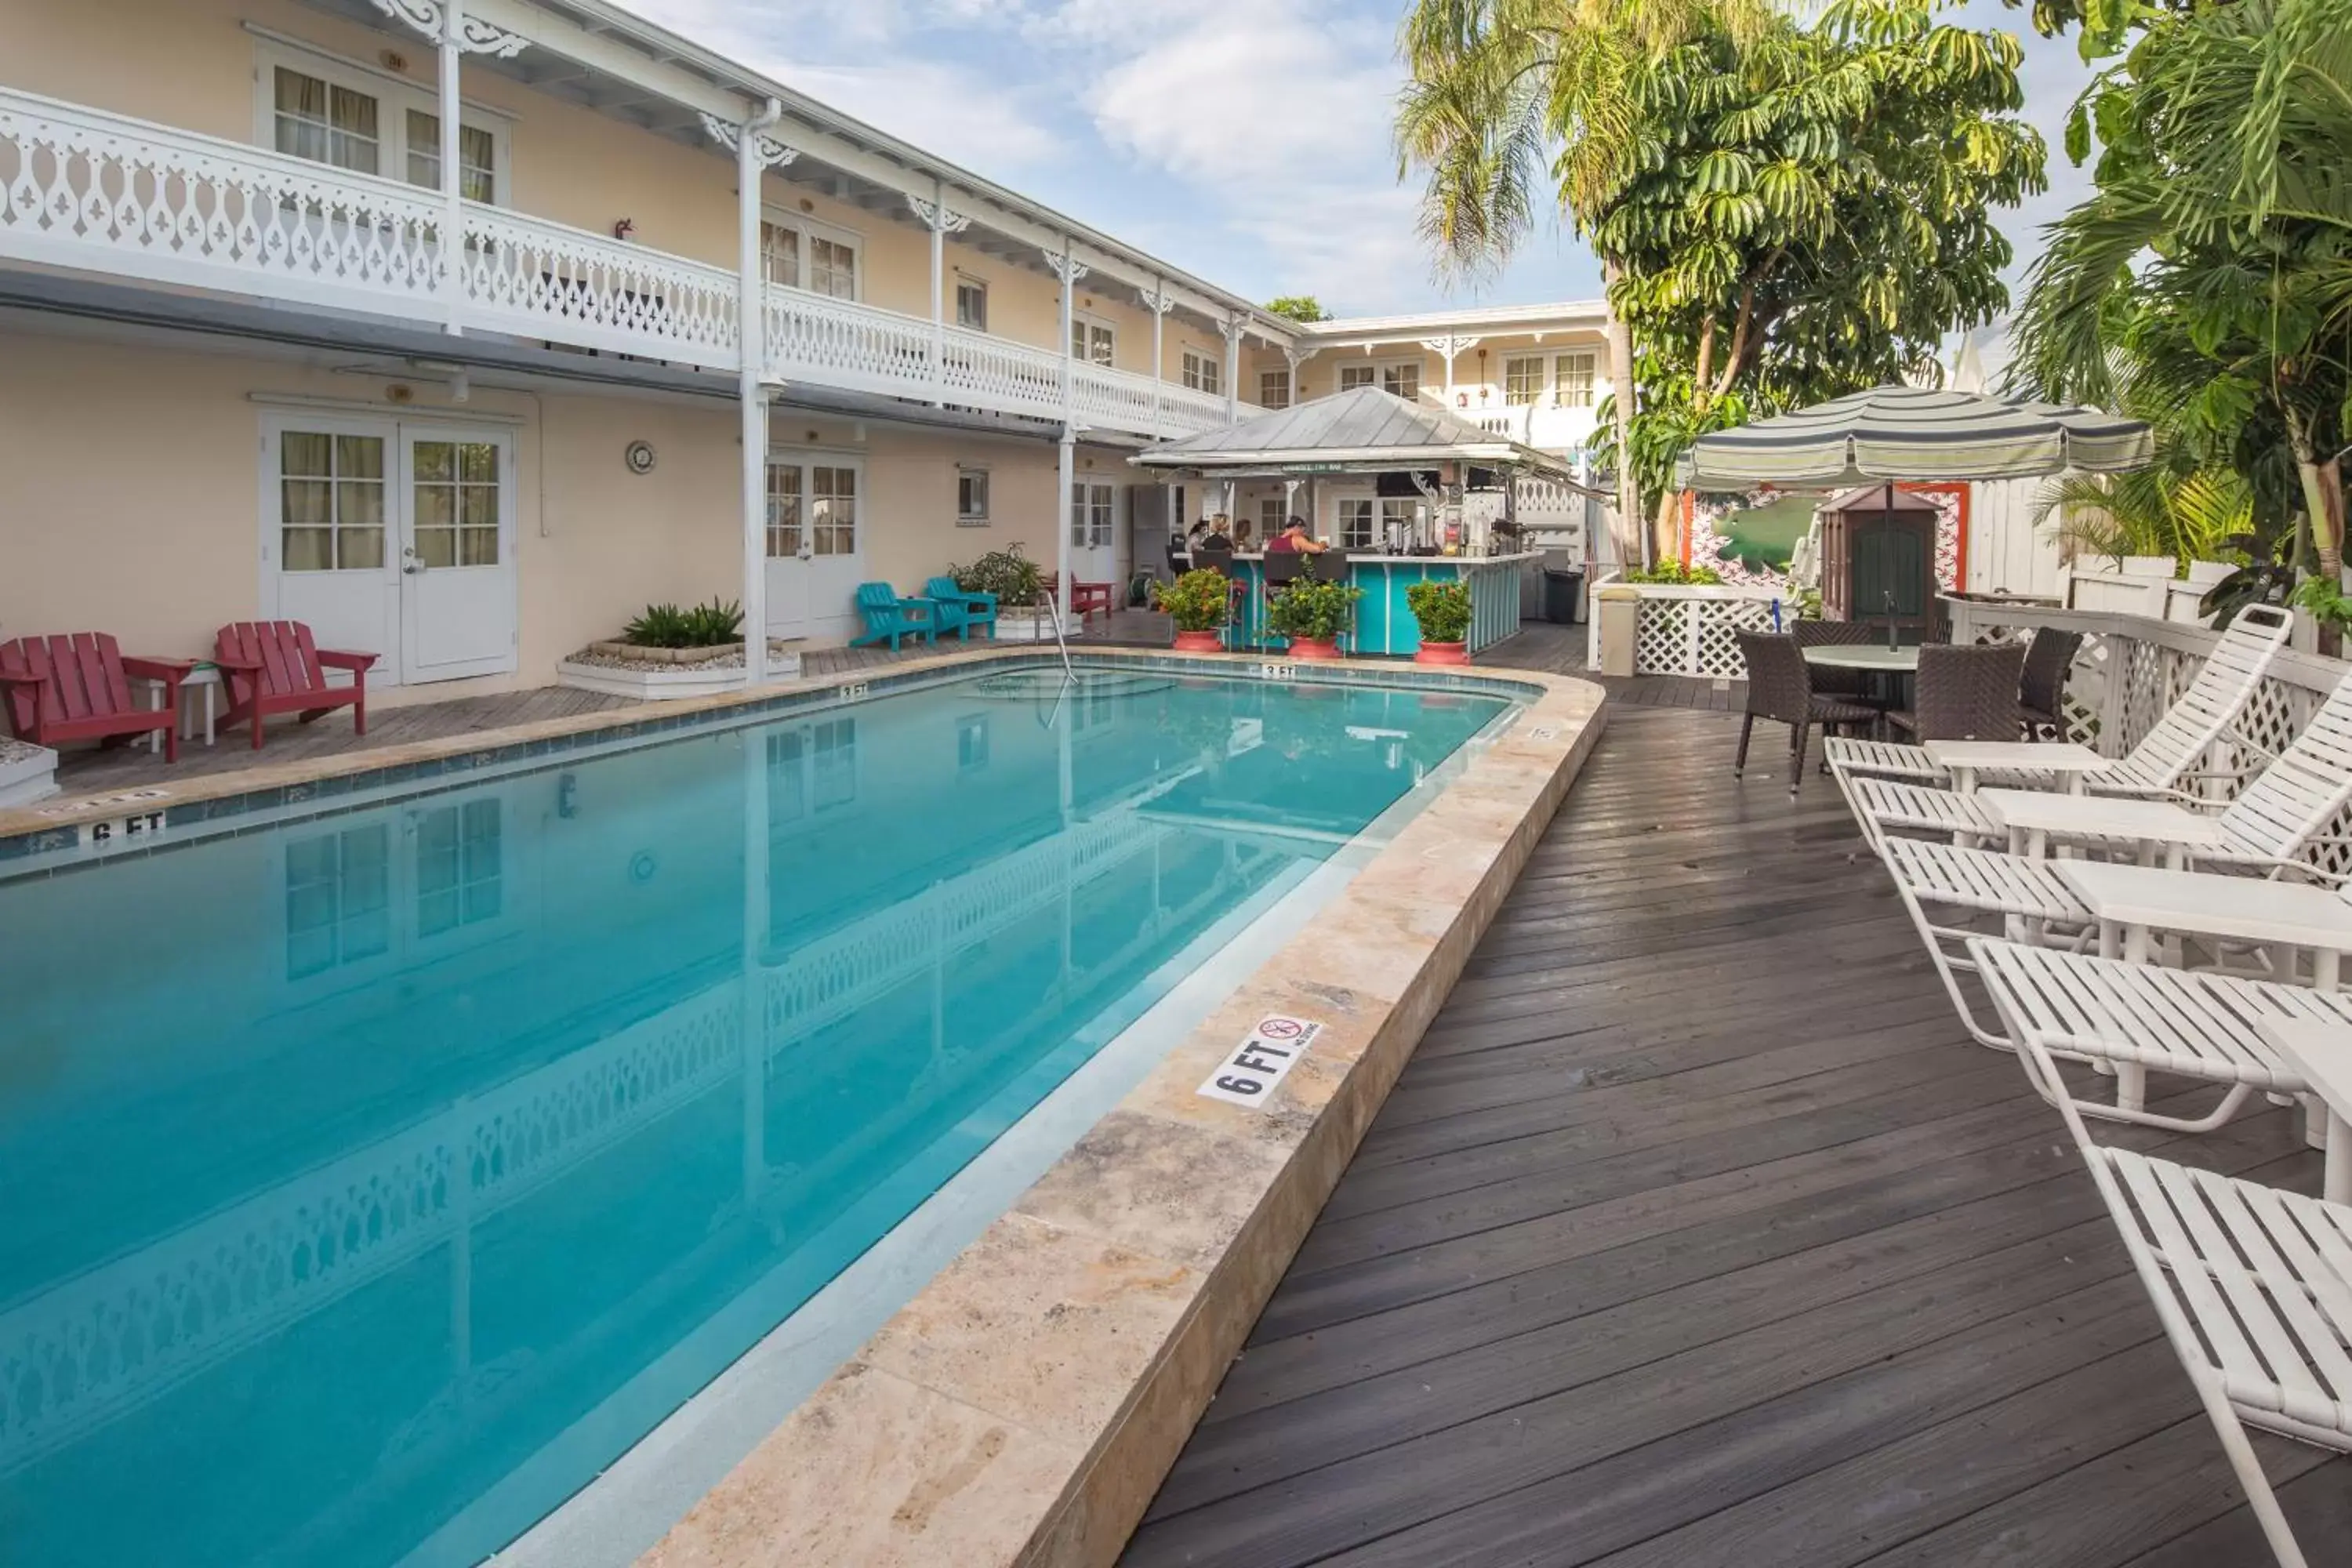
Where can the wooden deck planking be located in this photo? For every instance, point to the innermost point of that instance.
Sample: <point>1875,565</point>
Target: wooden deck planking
<point>1697,1232</point>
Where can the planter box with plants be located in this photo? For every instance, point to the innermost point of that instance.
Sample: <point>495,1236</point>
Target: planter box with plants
<point>1443,611</point>
<point>1313,615</point>
<point>1199,603</point>
<point>1016,580</point>
<point>667,653</point>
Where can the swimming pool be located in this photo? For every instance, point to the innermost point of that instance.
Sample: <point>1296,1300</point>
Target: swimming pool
<point>357,1164</point>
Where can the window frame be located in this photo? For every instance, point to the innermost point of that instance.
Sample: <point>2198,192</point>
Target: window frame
<point>1093,328</point>
<point>1094,514</point>
<point>806,229</point>
<point>1515,396</point>
<point>1350,511</point>
<point>969,475</point>
<point>1203,372</point>
<point>1395,369</point>
<point>1591,378</point>
<point>979,288</point>
<point>394,97</point>
<point>805,461</point>
<point>1274,388</point>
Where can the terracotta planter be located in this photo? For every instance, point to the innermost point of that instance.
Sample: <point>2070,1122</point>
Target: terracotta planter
<point>1314,648</point>
<point>1199,642</point>
<point>1442,653</point>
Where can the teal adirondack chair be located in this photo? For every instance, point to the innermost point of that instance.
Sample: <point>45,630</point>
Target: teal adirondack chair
<point>889,616</point>
<point>961,609</point>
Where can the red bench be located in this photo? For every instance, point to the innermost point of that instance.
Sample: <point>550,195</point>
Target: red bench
<point>76,687</point>
<point>273,667</point>
<point>1086,598</point>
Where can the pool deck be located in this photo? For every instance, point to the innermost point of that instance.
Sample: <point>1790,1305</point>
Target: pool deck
<point>1696,1232</point>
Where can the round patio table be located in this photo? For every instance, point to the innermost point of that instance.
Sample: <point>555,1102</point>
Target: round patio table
<point>1889,668</point>
<point>1875,657</point>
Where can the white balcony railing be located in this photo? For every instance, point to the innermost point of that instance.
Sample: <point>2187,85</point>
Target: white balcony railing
<point>1546,427</point>
<point>102,192</point>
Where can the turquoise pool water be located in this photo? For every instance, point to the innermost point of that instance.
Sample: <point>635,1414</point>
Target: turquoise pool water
<point>375,1180</point>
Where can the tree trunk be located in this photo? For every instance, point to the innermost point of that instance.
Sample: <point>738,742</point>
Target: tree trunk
<point>1668,531</point>
<point>1630,535</point>
<point>2323,501</point>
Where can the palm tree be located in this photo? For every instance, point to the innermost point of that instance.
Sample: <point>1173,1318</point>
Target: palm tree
<point>1505,93</point>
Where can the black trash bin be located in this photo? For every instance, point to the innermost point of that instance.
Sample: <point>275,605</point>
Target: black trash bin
<point>1563,598</point>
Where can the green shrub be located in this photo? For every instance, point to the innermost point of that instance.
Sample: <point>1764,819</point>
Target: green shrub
<point>1442,608</point>
<point>1675,575</point>
<point>705,626</point>
<point>1309,608</point>
<point>1008,574</point>
<point>1198,601</point>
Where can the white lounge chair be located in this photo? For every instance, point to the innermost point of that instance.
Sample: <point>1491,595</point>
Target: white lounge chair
<point>2302,788</point>
<point>2169,752</point>
<point>2253,1287</point>
<point>2141,1018</point>
<point>2263,832</point>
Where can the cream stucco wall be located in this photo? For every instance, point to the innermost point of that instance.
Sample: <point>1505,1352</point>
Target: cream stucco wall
<point>131,494</point>
<point>1478,382</point>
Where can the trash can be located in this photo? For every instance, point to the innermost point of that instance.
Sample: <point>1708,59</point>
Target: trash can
<point>1563,600</point>
<point>1620,610</point>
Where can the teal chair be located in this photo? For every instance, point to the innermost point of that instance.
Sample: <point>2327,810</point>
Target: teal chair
<point>961,609</point>
<point>889,616</point>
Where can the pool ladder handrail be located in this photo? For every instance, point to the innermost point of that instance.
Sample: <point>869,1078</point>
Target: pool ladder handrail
<point>1052,610</point>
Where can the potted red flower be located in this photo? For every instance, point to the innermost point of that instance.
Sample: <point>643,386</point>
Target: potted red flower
<point>1444,611</point>
<point>1199,603</point>
<point>1312,615</point>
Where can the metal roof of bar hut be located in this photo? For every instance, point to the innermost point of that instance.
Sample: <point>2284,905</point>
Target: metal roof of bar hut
<point>1361,430</point>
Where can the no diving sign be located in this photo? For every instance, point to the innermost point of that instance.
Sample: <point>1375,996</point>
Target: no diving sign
<point>1251,1075</point>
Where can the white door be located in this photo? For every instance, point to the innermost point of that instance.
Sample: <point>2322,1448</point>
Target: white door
<point>1094,513</point>
<point>456,554</point>
<point>392,539</point>
<point>329,495</point>
<point>817,544</point>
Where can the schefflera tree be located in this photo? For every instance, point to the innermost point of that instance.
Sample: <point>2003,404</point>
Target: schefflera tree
<point>1784,210</point>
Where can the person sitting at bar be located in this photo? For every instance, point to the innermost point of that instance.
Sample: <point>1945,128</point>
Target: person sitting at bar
<point>1242,534</point>
<point>1295,538</point>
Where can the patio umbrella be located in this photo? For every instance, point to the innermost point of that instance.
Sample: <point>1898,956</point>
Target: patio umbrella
<point>1892,434</point>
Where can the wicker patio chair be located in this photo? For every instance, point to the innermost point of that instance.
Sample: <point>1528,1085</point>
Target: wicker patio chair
<point>1964,693</point>
<point>2042,691</point>
<point>1779,687</point>
<point>1853,685</point>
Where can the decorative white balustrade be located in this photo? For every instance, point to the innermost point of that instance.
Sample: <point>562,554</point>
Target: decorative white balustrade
<point>103,192</point>
<point>1688,631</point>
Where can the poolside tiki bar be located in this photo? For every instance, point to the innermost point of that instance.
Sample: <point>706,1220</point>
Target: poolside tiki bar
<point>1405,494</point>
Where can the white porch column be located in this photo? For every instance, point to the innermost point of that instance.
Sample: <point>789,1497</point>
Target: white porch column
<point>1232,329</point>
<point>454,35</point>
<point>755,153</point>
<point>1158,304</point>
<point>1450,346</point>
<point>1068,269</point>
<point>942,223</point>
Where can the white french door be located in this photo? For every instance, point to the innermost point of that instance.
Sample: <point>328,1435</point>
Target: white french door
<point>392,538</point>
<point>1094,515</point>
<point>816,543</point>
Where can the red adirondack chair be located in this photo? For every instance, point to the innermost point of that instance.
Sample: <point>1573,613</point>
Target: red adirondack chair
<point>273,667</point>
<point>77,687</point>
<point>1086,598</point>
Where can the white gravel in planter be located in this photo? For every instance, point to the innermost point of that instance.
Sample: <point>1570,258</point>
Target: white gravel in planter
<point>12,751</point>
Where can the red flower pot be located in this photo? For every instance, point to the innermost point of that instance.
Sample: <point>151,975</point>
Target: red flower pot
<point>1314,648</point>
<point>1442,653</point>
<point>1199,642</point>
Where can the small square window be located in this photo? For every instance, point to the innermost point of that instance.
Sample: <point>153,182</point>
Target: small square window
<point>972,498</point>
<point>1355,375</point>
<point>1523,381</point>
<point>971,304</point>
<point>1274,388</point>
<point>1576,380</point>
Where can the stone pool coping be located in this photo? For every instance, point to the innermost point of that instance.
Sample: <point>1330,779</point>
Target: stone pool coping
<point>1022,1408</point>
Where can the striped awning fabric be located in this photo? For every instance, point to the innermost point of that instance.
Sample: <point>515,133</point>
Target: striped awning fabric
<point>1897,433</point>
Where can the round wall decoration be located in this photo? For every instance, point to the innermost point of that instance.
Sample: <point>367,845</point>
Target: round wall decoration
<point>640,456</point>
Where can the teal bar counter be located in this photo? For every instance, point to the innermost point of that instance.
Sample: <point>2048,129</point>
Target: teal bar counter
<point>1384,622</point>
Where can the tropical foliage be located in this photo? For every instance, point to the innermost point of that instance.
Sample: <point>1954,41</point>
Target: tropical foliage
<point>1297,308</point>
<point>1785,210</point>
<point>2208,280</point>
<point>1197,602</point>
<point>1311,608</point>
<point>2200,515</point>
<point>1442,609</point>
<point>1008,574</point>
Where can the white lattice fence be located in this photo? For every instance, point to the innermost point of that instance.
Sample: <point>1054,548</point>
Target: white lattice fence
<point>1688,631</point>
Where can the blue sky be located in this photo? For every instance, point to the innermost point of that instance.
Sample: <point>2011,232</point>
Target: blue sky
<point>1246,141</point>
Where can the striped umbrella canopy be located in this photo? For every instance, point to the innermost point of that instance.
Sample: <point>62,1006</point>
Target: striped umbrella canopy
<point>1891,434</point>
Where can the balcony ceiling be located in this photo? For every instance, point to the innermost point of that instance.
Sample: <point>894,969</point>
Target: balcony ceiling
<point>558,76</point>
